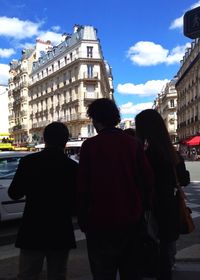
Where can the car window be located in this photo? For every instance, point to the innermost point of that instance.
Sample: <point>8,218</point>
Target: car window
<point>8,167</point>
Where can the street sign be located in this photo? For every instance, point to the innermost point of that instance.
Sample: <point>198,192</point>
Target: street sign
<point>192,23</point>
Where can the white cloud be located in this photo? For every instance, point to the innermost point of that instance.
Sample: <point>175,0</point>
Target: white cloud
<point>4,73</point>
<point>18,29</point>
<point>150,88</point>
<point>25,45</point>
<point>145,53</point>
<point>133,109</point>
<point>177,54</point>
<point>55,38</point>
<point>6,52</point>
<point>55,28</point>
<point>178,22</point>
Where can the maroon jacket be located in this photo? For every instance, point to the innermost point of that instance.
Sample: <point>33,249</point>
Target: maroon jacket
<point>113,174</point>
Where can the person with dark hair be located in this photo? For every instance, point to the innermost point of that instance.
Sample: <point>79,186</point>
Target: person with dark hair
<point>151,129</point>
<point>47,180</point>
<point>109,199</point>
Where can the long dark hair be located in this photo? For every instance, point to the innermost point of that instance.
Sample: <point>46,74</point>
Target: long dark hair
<point>150,127</point>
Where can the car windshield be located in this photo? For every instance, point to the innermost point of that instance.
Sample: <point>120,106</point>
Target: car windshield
<point>8,167</point>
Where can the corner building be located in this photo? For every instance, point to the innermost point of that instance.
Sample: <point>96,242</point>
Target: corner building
<point>188,91</point>
<point>166,105</point>
<point>65,80</point>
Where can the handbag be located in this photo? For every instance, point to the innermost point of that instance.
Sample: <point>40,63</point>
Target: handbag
<point>186,224</point>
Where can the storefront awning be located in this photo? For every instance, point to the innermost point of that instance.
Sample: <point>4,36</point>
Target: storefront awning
<point>194,141</point>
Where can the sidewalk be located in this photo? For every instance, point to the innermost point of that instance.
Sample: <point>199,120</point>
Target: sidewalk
<point>187,265</point>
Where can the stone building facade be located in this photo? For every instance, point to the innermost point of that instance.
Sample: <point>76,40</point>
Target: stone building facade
<point>166,105</point>
<point>18,89</point>
<point>188,92</point>
<point>62,82</point>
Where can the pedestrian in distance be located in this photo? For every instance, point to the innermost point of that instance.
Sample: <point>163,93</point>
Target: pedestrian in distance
<point>109,199</point>
<point>151,129</point>
<point>47,179</point>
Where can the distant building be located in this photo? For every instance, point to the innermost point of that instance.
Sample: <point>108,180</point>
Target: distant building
<point>188,90</point>
<point>127,123</point>
<point>166,105</point>
<point>4,125</point>
<point>18,92</point>
<point>61,83</point>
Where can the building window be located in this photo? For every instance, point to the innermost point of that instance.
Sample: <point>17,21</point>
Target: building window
<point>90,71</point>
<point>90,52</point>
<point>64,78</point>
<point>172,103</point>
<point>70,76</point>
<point>70,95</point>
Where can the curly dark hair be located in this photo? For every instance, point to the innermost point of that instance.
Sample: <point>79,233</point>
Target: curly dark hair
<point>56,134</point>
<point>104,111</point>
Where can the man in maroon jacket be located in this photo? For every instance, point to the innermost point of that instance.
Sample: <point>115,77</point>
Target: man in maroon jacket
<point>111,201</point>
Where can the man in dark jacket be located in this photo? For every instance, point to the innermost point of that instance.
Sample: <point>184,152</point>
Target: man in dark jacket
<point>47,180</point>
<point>113,167</point>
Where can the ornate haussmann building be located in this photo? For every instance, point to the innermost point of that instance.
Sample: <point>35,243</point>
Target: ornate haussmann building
<point>188,91</point>
<point>59,85</point>
<point>166,105</point>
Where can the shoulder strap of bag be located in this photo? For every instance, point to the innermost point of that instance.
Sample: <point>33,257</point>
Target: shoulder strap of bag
<point>178,186</point>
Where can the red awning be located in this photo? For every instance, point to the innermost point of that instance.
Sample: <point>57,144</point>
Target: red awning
<point>194,141</point>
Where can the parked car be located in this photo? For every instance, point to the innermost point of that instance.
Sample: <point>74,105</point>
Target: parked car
<point>9,209</point>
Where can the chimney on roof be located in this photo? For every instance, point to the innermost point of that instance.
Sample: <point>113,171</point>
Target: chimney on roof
<point>76,28</point>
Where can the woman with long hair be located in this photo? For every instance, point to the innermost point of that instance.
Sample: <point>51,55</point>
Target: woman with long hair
<point>151,130</point>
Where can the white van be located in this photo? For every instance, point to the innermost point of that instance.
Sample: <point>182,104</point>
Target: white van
<point>72,148</point>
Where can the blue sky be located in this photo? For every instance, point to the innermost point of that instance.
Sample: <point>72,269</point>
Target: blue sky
<point>142,41</point>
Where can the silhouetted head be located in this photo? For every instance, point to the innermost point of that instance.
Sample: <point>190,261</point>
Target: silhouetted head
<point>105,112</point>
<point>151,127</point>
<point>56,134</point>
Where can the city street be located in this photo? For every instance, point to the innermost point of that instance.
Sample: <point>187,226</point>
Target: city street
<point>188,246</point>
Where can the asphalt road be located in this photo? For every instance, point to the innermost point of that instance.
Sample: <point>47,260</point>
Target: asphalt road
<point>78,258</point>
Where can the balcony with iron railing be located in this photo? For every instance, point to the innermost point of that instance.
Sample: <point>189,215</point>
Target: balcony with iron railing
<point>23,98</point>
<point>19,127</point>
<point>74,117</point>
<point>11,117</point>
<point>93,76</point>
<point>24,84</point>
<point>23,113</point>
<point>24,69</point>
<point>40,124</point>
<point>91,95</point>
